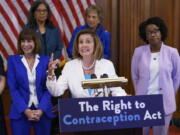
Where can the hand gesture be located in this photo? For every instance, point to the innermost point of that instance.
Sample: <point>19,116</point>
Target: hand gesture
<point>52,65</point>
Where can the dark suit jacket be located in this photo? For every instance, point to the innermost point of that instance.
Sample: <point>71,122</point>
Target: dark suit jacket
<point>19,86</point>
<point>52,42</point>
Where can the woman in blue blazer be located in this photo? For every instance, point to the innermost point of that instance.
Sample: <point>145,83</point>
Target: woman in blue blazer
<point>26,77</point>
<point>49,35</point>
<point>93,16</point>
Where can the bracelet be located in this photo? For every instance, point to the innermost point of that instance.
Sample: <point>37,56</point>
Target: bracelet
<point>48,73</point>
<point>53,75</point>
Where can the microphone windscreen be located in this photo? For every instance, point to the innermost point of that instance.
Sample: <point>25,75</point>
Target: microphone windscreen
<point>104,76</point>
<point>93,76</point>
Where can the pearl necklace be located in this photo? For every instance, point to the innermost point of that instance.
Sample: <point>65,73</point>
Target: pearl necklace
<point>90,67</point>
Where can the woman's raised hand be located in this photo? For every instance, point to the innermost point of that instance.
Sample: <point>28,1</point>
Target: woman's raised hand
<point>52,65</point>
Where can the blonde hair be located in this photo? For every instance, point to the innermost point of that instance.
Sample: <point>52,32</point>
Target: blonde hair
<point>98,49</point>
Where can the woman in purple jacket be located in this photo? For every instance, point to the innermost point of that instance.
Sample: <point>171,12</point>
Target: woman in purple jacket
<point>155,69</point>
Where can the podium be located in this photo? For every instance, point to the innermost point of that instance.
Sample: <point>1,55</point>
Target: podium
<point>107,83</point>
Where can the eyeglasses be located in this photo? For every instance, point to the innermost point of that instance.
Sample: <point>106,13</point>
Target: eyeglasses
<point>41,10</point>
<point>152,32</point>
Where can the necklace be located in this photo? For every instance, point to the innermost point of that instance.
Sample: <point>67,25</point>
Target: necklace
<point>90,67</point>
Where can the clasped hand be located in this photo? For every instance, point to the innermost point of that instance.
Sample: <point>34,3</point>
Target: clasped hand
<point>33,115</point>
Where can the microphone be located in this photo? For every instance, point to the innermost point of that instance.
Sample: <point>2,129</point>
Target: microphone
<point>93,76</point>
<point>104,76</point>
<point>105,89</point>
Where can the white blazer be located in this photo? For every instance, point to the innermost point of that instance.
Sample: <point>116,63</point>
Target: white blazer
<point>73,75</point>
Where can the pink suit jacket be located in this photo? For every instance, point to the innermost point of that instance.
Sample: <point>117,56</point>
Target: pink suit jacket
<point>169,73</point>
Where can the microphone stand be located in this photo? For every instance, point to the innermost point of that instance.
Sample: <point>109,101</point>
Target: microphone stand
<point>93,76</point>
<point>105,88</point>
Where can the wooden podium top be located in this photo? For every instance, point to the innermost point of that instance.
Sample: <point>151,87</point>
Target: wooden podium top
<point>104,82</point>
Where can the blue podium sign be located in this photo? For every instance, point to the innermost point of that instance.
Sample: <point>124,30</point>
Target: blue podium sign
<point>91,114</point>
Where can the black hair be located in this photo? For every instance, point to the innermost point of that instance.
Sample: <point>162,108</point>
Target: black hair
<point>156,21</point>
<point>32,21</point>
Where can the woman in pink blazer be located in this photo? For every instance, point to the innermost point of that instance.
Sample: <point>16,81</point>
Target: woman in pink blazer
<point>155,69</point>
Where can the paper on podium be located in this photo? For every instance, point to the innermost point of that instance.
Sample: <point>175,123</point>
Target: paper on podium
<point>104,82</point>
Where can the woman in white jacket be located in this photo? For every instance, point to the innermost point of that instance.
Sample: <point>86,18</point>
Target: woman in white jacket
<point>88,60</point>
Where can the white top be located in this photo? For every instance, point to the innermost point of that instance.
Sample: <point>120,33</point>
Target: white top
<point>32,81</point>
<point>73,75</point>
<point>154,74</point>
